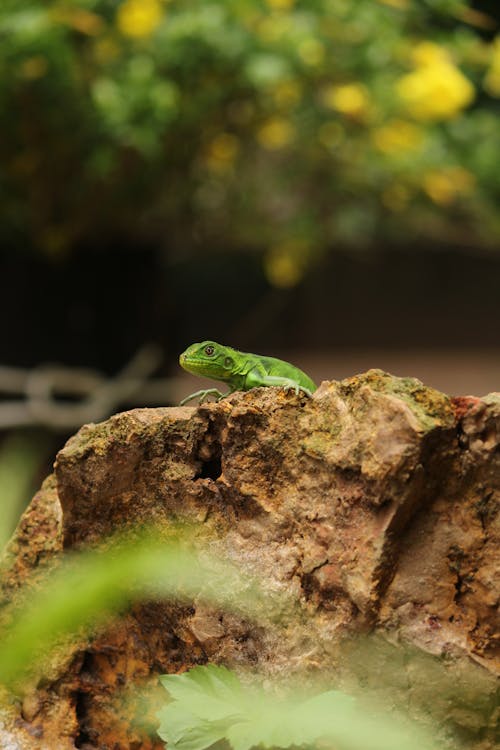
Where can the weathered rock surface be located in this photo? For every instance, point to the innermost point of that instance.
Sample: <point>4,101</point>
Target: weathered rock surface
<point>375,504</point>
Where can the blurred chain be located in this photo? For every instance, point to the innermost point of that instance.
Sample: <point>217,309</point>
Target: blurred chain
<point>48,388</point>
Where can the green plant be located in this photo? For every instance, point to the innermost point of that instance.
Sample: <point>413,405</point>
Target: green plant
<point>209,704</point>
<point>283,127</point>
<point>21,455</point>
<point>67,604</point>
<point>85,588</point>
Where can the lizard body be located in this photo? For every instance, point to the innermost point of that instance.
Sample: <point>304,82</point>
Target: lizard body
<point>241,370</point>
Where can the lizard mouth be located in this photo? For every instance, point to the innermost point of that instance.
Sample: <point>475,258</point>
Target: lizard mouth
<point>191,365</point>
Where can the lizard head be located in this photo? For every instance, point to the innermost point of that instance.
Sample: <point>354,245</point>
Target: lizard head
<point>209,359</point>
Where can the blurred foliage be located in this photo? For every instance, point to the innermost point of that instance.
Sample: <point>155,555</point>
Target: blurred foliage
<point>284,127</point>
<point>81,592</point>
<point>22,455</point>
<point>70,600</point>
<point>209,705</point>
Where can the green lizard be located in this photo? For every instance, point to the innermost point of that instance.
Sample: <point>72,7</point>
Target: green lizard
<point>240,371</point>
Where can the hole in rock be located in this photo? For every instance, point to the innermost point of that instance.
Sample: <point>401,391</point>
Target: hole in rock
<point>83,738</point>
<point>210,469</point>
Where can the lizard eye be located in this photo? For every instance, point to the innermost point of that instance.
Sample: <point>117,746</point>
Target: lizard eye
<point>209,350</point>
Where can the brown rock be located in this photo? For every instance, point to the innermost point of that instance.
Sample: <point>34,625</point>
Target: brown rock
<point>374,504</point>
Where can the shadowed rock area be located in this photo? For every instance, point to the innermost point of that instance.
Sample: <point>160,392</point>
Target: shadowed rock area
<point>374,505</point>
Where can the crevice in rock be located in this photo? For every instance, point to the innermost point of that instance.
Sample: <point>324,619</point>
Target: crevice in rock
<point>435,461</point>
<point>210,469</point>
<point>83,738</point>
<point>209,453</point>
<point>455,559</point>
<point>486,507</point>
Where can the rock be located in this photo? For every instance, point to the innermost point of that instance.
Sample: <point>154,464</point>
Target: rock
<point>374,505</point>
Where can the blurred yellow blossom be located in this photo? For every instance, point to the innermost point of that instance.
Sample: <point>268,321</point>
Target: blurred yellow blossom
<point>492,78</point>
<point>34,67</point>
<point>444,186</point>
<point>436,89</point>
<point>311,51</point>
<point>287,93</point>
<point>350,99</point>
<point>429,53</point>
<point>275,133</point>
<point>285,262</point>
<point>139,18</point>
<point>397,137</point>
<point>221,152</point>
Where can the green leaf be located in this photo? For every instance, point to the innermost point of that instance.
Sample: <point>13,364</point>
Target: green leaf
<point>182,729</point>
<point>89,586</point>
<point>211,692</point>
<point>210,704</point>
<point>206,701</point>
<point>273,722</point>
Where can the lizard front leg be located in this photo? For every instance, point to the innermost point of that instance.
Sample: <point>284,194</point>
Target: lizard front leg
<point>203,395</point>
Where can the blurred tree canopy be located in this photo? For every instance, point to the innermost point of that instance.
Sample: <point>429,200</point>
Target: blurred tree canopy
<point>284,127</point>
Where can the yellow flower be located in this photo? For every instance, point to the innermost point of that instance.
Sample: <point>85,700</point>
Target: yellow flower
<point>397,137</point>
<point>446,185</point>
<point>429,53</point>
<point>436,89</point>
<point>222,152</point>
<point>285,263</point>
<point>350,99</point>
<point>311,51</point>
<point>492,78</point>
<point>275,133</point>
<point>139,18</point>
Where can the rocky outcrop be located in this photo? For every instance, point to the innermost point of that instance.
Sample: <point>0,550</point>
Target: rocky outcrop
<point>374,505</point>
